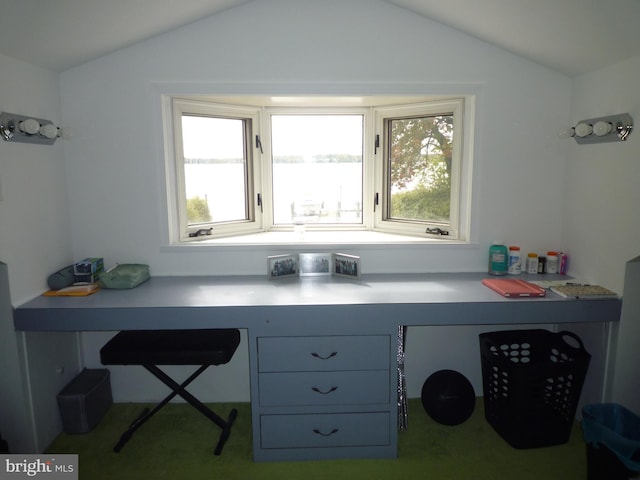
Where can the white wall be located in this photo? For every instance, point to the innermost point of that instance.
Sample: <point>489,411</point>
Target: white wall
<point>34,242</point>
<point>602,226</point>
<point>602,196</point>
<point>34,238</point>
<point>115,160</point>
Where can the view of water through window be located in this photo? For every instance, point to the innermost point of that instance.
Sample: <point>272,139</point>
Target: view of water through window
<point>317,168</point>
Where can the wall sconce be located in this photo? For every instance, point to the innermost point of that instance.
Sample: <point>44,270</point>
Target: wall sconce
<point>18,128</point>
<point>613,128</point>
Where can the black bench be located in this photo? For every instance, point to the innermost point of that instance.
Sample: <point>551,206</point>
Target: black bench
<point>151,348</point>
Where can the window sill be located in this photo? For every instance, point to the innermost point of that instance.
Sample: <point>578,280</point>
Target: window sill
<point>315,240</point>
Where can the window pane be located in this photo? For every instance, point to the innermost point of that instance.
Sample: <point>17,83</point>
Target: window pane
<point>419,168</point>
<point>215,169</point>
<point>317,168</point>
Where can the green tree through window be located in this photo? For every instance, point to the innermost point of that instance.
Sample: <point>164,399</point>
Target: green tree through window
<point>198,210</point>
<point>420,167</point>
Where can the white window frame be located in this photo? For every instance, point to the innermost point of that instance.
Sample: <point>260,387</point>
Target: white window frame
<point>254,222</point>
<point>258,111</point>
<point>381,221</point>
<point>367,165</point>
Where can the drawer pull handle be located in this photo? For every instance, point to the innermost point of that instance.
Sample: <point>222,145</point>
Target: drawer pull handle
<point>317,355</point>
<point>316,430</point>
<point>317,390</point>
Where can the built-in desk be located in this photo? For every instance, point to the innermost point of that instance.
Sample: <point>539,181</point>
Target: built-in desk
<point>322,350</point>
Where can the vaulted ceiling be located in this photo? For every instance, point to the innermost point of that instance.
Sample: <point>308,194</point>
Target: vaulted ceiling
<point>570,36</point>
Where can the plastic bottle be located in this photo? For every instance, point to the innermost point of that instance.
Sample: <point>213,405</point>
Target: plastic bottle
<point>515,261</point>
<point>562,260</point>
<point>542,264</point>
<point>532,263</point>
<point>498,258</point>
<point>552,262</point>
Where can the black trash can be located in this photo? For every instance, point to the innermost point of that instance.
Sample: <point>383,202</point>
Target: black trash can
<point>612,436</point>
<point>532,381</point>
<point>84,400</point>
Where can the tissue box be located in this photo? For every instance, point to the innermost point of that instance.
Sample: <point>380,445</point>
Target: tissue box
<point>88,270</point>
<point>85,400</point>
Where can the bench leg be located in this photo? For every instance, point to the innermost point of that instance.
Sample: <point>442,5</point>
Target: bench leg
<point>146,413</point>
<point>180,389</point>
<point>201,407</point>
<point>226,431</point>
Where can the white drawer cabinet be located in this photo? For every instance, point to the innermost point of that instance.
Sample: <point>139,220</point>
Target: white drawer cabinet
<point>324,396</point>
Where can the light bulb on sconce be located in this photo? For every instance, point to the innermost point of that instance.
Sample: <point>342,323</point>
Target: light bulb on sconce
<point>49,130</point>
<point>29,126</point>
<point>584,129</point>
<point>602,128</point>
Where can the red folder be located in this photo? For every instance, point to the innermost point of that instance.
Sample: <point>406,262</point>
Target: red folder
<point>512,287</point>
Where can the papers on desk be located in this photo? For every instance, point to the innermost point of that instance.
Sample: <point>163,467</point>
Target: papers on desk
<point>583,291</point>
<point>74,291</point>
<point>572,288</point>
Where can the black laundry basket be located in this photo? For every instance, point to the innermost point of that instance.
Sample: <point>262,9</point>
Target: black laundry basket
<point>532,380</point>
<point>612,436</point>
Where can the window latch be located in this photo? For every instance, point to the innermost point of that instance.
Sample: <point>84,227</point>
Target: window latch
<point>259,143</point>
<point>436,231</point>
<point>376,145</point>
<point>259,200</point>
<point>201,232</point>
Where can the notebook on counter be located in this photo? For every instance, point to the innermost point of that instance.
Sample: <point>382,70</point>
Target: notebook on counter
<point>583,291</point>
<point>513,287</point>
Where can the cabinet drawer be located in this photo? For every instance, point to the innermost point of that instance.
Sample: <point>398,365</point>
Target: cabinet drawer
<point>324,388</point>
<point>299,354</point>
<point>325,430</point>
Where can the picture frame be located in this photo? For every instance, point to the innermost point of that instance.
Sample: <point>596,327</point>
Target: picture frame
<point>346,265</point>
<point>315,264</point>
<point>282,266</point>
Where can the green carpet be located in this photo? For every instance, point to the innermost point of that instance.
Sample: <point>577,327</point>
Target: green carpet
<point>178,444</point>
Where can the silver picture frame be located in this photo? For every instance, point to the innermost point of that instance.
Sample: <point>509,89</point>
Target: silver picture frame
<point>346,265</point>
<point>282,266</point>
<point>315,264</point>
